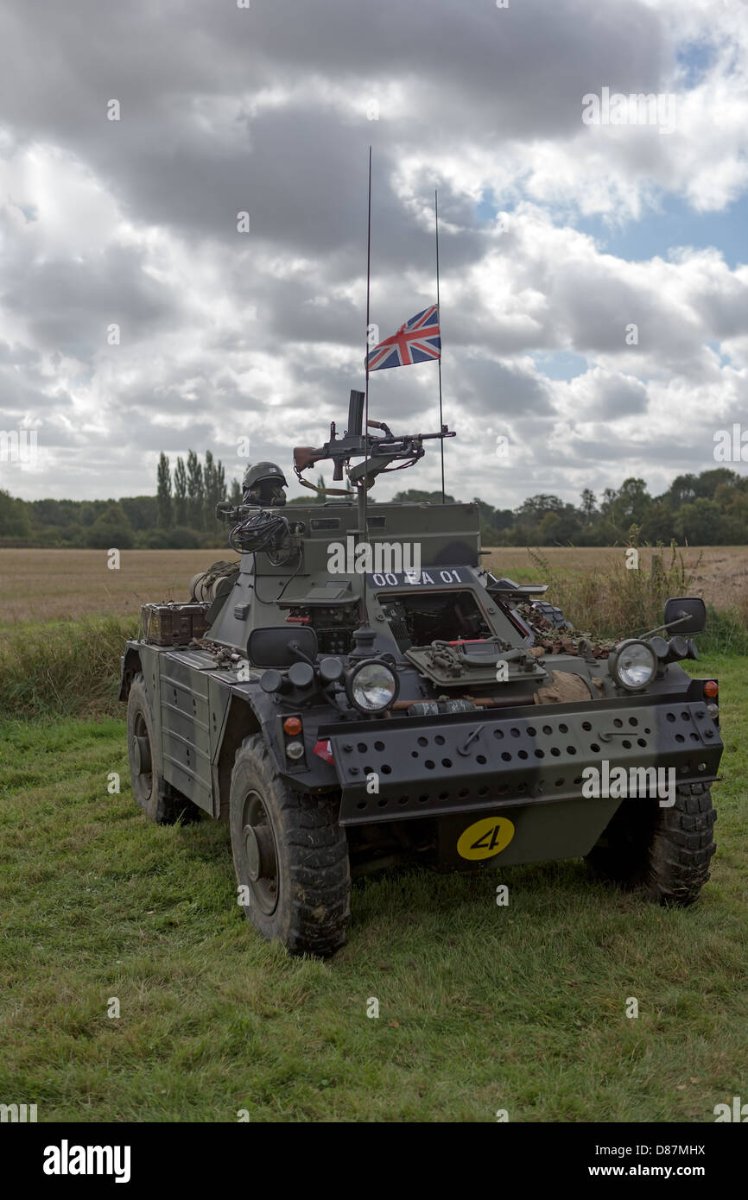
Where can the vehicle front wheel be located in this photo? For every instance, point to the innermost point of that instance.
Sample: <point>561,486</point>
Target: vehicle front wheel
<point>665,851</point>
<point>290,856</point>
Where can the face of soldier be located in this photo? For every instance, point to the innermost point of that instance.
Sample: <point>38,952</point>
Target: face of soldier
<point>270,492</point>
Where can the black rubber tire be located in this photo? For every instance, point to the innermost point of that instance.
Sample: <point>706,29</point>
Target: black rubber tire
<point>160,803</point>
<point>301,890</point>
<point>664,851</point>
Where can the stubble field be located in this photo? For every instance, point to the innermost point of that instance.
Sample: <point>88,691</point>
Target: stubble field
<point>60,585</point>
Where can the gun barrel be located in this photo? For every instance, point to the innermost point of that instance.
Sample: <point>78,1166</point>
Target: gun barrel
<point>421,437</point>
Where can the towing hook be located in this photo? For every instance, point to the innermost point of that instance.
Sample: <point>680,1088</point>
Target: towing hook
<point>463,750</point>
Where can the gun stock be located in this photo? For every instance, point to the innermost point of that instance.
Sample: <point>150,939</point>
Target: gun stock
<point>307,456</point>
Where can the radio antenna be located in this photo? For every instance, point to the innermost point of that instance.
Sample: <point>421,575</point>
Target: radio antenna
<point>441,339</point>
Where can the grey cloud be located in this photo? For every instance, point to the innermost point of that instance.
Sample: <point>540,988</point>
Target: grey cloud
<point>482,73</point>
<point>491,387</point>
<point>70,304</point>
<point>191,150</point>
<point>614,397</point>
<point>29,393</point>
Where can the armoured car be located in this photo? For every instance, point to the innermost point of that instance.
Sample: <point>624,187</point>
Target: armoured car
<point>356,690</point>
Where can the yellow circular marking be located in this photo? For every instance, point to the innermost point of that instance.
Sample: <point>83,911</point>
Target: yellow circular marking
<point>485,838</point>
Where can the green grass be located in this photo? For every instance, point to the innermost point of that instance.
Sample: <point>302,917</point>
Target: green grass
<point>481,1007</point>
<point>63,667</point>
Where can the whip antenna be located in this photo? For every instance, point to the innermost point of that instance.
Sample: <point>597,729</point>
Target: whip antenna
<point>441,340</point>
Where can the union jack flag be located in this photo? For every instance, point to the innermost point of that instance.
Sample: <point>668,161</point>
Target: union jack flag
<point>418,340</point>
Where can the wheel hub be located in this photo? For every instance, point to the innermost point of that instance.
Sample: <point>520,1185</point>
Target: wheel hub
<point>260,853</point>
<point>258,844</point>
<point>141,749</point>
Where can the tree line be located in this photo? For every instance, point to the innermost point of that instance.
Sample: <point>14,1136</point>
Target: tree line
<point>181,515</point>
<point>702,510</point>
<point>709,509</point>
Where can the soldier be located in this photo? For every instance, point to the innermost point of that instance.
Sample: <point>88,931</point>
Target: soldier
<point>263,485</point>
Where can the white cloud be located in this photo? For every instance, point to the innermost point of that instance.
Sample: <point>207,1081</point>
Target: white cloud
<point>222,334</point>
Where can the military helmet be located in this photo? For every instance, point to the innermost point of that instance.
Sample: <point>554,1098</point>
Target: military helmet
<point>261,471</point>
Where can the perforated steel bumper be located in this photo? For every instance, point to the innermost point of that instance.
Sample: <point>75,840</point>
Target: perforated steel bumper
<point>483,760</point>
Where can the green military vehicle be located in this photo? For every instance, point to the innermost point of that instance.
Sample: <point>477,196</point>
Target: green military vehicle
<point>357,691</point>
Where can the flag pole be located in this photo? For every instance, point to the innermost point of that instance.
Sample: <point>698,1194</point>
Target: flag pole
<point>368,295</point>
<point>441,343</point>
<point>362,485</point>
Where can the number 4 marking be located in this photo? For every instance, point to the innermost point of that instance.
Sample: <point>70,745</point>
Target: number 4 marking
<point>482,844</point>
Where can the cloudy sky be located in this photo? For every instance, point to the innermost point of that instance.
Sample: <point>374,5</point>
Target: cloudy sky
<point>594,280</point>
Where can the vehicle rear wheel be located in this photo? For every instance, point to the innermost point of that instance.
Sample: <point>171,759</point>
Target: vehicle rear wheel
<point>158,800</point>
<point>290,856</point>
<point>665,851</point>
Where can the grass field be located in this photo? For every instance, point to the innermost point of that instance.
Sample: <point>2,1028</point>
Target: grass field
<point>482,1007</point>
<point>47,585</point>
<point>718,573</point>
<point>64,585</point>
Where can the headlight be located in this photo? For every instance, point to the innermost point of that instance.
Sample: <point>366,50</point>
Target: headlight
<point>372,686</point>
<point>634,665</point>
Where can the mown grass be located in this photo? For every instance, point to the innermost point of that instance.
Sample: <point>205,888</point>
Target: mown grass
<point>481,1007</point>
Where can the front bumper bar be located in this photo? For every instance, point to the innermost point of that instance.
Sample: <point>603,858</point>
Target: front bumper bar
<point>500,759</point>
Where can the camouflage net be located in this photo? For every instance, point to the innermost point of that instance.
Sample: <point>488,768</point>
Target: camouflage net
<point>549,639</point>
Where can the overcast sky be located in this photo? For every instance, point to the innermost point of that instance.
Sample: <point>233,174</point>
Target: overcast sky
<point>558,235</point>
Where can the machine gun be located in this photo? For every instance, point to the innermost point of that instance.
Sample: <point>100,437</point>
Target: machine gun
<point>379,453</point>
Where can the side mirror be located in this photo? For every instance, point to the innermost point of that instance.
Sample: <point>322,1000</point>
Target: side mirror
<point>281,646</point>
<point>685,614</point>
